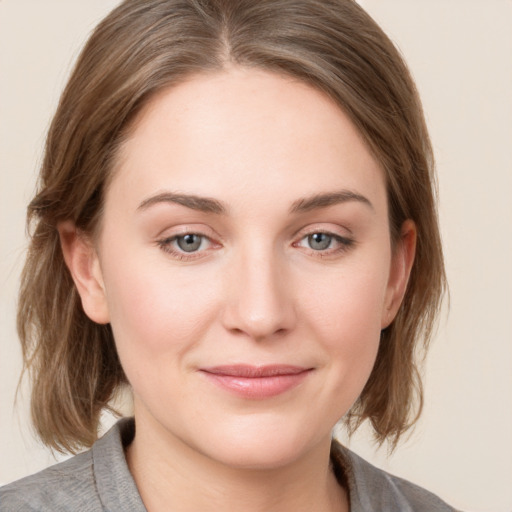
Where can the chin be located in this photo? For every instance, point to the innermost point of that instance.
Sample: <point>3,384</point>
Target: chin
<point>259,448</point>
<point>258,457</point>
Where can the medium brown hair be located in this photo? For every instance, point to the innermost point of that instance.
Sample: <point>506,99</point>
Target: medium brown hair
<point>144,46</point>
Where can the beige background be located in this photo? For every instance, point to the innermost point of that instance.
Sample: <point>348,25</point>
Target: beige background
<point>460,52</point>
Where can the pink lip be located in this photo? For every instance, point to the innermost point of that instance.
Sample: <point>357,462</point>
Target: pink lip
<point>256,382</point>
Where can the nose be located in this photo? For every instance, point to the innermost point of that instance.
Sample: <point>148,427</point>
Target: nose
<point>260,298</point>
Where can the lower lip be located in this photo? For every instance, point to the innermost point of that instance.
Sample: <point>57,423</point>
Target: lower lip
<point>257,388</point>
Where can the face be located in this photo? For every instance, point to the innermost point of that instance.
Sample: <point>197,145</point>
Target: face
<point>244,263</point>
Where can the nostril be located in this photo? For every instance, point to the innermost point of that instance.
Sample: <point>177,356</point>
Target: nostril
<point>258,304</point>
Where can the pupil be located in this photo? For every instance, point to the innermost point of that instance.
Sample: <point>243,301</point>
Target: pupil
<point>319,241</point>
<point>189,243</point>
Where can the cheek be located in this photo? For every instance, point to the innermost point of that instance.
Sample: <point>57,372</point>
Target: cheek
<point>345,317</point>
<point>349,301</point>
<point>156,312</point>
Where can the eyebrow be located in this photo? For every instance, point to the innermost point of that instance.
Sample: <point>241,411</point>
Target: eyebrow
<point>209,205</point>
<point>329,199</point>
<point>202,204</point>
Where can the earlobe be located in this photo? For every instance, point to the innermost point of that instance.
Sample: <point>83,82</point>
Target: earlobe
<point>401,265</point>
<point>82,261</point>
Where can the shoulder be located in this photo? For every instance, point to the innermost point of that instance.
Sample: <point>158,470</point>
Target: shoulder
<point>93,481</point>
<point>66,486</point>
<point>374,490</point>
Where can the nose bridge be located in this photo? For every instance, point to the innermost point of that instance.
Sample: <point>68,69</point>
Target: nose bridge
<point>260,302</point>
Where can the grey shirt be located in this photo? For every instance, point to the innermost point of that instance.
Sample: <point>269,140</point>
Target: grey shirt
<point>99,480</point>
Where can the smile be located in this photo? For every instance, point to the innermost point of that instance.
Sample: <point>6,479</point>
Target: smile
<point>256,382</point>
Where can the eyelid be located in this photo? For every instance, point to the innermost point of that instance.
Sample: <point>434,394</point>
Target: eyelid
<point>327,228</point>
<point>346,242</point>
<point>342,239</point>
<point>185,229</point>
<point>164,241</point>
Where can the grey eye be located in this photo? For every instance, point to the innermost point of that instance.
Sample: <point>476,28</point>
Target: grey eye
<point>319,241</point>
<point>189,243</point>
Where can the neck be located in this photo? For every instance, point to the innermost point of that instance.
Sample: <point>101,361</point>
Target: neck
<point>171,475</point>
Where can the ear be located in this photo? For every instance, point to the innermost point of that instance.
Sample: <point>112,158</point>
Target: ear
<point>401,265</point>
<point>83,263</point>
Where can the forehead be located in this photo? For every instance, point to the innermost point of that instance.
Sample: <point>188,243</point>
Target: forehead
<point>238,132</point>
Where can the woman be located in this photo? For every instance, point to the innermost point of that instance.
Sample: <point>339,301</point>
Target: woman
<point>236,219</point>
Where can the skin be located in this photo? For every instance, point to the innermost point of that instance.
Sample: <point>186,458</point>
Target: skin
<point>257,290</point>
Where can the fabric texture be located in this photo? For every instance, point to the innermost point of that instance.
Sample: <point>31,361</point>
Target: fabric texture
<point>99,480</point>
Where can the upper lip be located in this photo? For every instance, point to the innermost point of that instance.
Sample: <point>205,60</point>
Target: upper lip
<point>251,372</point>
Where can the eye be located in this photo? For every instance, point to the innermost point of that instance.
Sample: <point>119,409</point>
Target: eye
<point>324,243</point>
<point>186,246</point>
<point>319,241</point>
<point>190,242</point>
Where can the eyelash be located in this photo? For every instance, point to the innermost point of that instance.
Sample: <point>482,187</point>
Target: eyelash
<point>166,245</point>
<point>344,244</point>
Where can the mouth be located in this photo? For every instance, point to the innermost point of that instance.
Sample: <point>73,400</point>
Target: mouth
<point>256,382</point>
